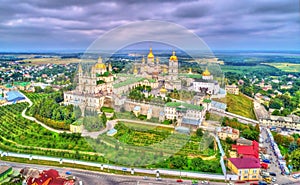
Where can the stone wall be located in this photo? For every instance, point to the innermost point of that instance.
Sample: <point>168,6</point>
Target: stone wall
<point>129,106</point>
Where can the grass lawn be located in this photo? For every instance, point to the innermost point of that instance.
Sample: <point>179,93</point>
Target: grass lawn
<point>286,67</point>
<point>239,104</point>
<point>107,109</point>
<point>139,136</point>
<point>215,117</point>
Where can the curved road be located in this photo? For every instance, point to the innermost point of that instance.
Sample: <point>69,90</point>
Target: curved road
<point>101,178</point>
<point>146,171</point>
<point>37,121</point>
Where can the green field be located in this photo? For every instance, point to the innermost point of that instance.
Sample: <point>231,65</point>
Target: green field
<point>286,67</point>
<point>246,69</point>
<point>21,135</point>
<point>239,104</point>
<point>35,97</point>
<point>135,145</point>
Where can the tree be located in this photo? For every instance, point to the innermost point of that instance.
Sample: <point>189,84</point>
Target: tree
<point>257,128</point>
<point>298,142</point>
<point>199,132</point>
<point>295,159</point>
<point>293,146</point>
<point>196,163</point>
<point>207,116</point>
<point>104,119</point>
<point>275,103</point>
<point>178,162</point>
<point>38,89</point>
<point>250,134</point>
<point>229,140</point>
<point>48,89</point>
<point>276,112</point>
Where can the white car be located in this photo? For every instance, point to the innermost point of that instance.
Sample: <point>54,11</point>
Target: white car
<point>146,178</point>
<point>296,176</point>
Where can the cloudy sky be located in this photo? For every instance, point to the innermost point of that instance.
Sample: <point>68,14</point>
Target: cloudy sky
<point>36,25</point>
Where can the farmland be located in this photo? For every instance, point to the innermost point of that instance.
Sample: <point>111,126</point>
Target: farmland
<point>286,67</point>
<point>239,104</point>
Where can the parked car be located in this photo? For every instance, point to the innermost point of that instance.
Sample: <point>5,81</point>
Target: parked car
<point>262,183</point>
<point>158,178</point>
<point>264,174</point>
<point>267,161</point>
<point>194,182</point>
<point>272,174</point>
<point>68,173</point>
<point>296,176</point>
<point>274,179</point>
<point>268,180</point>
<point>264,165</point>
<point>240,182</point>
<point>179,180</point>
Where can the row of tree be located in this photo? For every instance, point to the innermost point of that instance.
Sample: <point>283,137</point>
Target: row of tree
<point>247,131</point>
<point>51,112</point>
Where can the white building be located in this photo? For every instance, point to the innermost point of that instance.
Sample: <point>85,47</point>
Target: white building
<point>186,114</point>
<point>289,122</point>
<point>206,84</point>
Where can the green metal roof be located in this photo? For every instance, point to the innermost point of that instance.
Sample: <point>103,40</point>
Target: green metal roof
<point>186,105</point>
<point>23,84</point>
<point>191,75</point>
<point>131,81</point>
<point>206,100</point>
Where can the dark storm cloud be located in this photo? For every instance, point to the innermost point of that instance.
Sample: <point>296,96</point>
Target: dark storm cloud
<point>277,7</point>
<point>193,10</point>
<point>79,21</point>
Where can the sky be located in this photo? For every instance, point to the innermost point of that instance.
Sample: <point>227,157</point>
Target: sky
<point>65,25</point>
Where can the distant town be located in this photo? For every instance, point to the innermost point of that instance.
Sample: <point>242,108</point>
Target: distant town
<point>207,120</point>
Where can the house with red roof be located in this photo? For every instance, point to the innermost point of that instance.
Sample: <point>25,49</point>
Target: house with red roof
<point>247,169</point>
<point>251,151</point>
<point>49,177</point>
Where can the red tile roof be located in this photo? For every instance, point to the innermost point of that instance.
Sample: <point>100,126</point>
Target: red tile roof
<point>245,163</point>
<point>51,174</point>
<point>247,151</point>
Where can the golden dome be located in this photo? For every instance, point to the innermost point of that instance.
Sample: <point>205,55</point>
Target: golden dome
<point>163,90</point>
<point>100,66</point>
<point>150,55</point>
<point>206,73</point>
<point>165,70</point>
<point>135,71</point>
<point>173,57</point>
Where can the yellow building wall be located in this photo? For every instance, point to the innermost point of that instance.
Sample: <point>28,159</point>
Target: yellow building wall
<point>244,174</point>
<point>76,128</point>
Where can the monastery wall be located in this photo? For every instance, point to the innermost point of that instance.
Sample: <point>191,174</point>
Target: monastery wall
<point>129,106</point>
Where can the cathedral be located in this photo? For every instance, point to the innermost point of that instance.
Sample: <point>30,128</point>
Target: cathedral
<point>92,86</point>
<point>207,84</point>
<point>152,68</point>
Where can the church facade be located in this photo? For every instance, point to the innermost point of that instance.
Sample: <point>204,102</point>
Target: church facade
<point>92,87</point>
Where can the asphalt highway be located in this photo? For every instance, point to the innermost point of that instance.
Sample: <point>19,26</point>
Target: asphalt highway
<point>98,178</point>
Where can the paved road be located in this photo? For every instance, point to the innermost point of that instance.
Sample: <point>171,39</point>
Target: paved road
<point>281,179</point>
<point>98,178</point>
<point>139,170</point>
<point>240,118</point>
